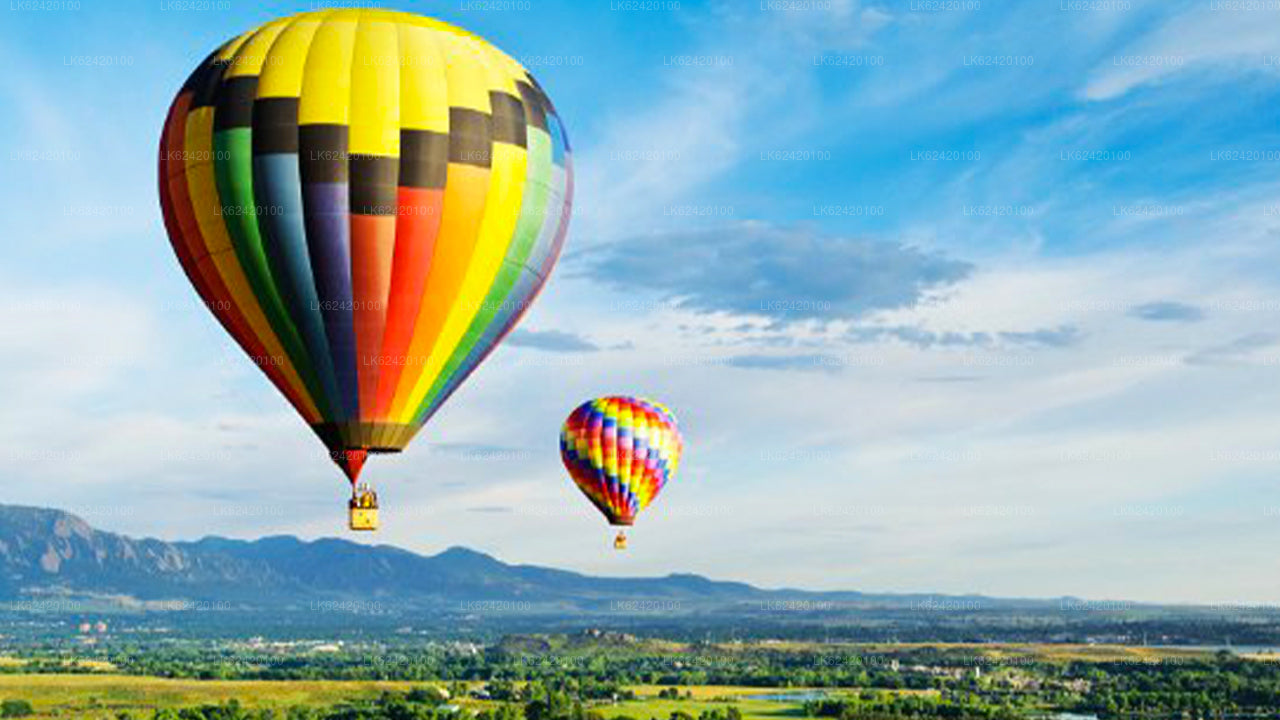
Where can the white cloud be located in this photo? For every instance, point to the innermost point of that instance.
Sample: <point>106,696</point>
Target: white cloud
<point>725,97</point>
<point>1202,36</point>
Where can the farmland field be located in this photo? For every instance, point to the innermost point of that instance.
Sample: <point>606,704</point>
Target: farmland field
<point>996,681</point>
<point>753,702</point>
<point>103,695</point>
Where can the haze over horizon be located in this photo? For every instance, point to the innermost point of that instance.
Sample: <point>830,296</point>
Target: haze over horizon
<point>943,325</point>
<point>20,524</point>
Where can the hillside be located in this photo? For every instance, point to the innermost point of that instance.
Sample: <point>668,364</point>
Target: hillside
<point>47,551</point>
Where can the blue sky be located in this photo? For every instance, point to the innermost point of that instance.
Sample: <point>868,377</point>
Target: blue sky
<point>972,299</point>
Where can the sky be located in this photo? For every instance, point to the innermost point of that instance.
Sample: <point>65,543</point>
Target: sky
<point>976,296</point>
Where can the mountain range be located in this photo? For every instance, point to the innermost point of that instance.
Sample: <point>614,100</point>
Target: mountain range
<point>51,553</point>
<point>47,552</point>
<point>54,564</point>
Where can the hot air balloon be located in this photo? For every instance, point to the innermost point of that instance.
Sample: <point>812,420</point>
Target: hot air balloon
<point>367,201</point>
<point>620,452</point>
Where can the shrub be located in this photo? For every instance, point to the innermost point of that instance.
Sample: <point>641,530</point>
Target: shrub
<point>15,708</point>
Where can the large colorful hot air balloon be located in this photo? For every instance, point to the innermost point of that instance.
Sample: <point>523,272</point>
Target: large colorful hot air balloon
<point>620,452</point>
<point>367,201</point>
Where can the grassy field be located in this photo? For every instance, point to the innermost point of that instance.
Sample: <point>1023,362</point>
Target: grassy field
<point>708,692</point>
<point>102,696</point>
<point>1048,652</point>
<point>661,709</point>
<point>1096,653</point>
<point>706,697</point>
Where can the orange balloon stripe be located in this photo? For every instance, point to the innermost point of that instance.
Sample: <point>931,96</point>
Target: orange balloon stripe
<point>372,247</point>
<point>465,192</point>
<point>416,230</point>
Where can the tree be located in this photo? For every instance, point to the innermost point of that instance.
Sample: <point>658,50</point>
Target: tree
<point>15,708</point>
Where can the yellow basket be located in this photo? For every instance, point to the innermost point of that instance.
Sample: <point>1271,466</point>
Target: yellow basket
<point>363,518</point>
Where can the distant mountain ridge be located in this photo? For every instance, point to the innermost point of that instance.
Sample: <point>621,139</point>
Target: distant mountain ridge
<point>50,551</point>
<point>57,572</point>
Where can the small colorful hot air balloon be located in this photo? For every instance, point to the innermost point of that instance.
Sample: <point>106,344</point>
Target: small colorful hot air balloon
<point>620,452</point>
<point>367,201</point>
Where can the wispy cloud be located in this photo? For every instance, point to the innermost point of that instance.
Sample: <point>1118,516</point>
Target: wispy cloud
<point>714,104</point>
<point>551,341</point>
<point>1168,311</point>
<point>1048,337</point>
<point>1246,350</point>
<point>1209,35</point>
<point>923,338</point>
<point>787,274</point>
<point>800,363</point>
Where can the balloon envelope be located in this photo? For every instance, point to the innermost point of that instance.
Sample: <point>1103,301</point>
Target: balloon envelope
<point>621,452</point>
<point>368,201</point>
